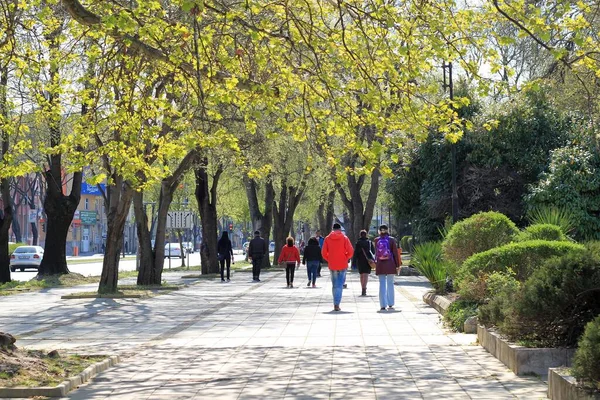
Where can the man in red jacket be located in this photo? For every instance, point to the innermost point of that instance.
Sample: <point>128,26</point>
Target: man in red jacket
<point>337,250</point>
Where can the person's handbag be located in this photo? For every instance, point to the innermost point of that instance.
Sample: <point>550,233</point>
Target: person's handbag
<point>370,259</point>
<point>220,257</point>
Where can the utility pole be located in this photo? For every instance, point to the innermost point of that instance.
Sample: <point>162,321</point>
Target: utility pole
<point>448,84</point>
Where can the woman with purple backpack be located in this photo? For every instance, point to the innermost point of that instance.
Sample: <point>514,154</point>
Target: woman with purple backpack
<point>386,258</point>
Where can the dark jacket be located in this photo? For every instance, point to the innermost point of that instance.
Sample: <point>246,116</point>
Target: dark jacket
<point>363,246</point>
<point>224,248</point>
<point>388,266</point>
<point>258,247</point>
<point>312,252</point>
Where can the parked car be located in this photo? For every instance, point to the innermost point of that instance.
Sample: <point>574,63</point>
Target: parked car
<point>26,257</point>
<point>173,250</point>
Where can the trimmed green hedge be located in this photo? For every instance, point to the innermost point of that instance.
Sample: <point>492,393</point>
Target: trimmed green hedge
<point>586,362</point>
<point>521,257</point>
<point>404,243</point>
<point>480,232</point>
<point>542,232</point>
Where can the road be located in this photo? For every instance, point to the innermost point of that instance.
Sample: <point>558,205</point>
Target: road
<point>92,265</point>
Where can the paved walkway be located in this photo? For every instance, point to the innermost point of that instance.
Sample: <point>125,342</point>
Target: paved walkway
<point>244,340</point>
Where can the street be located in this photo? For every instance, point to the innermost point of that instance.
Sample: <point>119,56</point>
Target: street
<point>92,265</point>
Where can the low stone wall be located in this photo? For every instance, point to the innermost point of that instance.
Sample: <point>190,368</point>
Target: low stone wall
<point>440,303</point>
<point>562,386</point>
<point>523,360</point>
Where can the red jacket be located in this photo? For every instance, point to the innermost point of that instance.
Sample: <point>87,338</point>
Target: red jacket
<point>289,254</point>
<point>337,250</point>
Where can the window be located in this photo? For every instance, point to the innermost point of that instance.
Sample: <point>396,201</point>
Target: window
<point>87,204</point>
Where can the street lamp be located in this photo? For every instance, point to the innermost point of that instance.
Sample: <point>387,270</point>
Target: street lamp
<point>449,85</point>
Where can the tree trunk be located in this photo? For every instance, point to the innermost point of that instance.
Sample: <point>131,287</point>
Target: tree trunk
<point>360,212</point>
<point>206,196</point>
<point>119,196</point>
<point>16,225</point>
<point>261,221</point>
<point>283,214</point>
<point>147,272</point>
<point>325,213</point>
<point>5,221</point>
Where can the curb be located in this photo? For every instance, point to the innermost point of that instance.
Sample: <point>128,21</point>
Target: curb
<point>63,388</point>
<point>440,303</point>
<point>97,296</point>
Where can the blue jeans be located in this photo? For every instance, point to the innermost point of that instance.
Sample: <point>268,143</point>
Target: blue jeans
<point>311,269</point>
<point>337,280</point>
<point>386,290</point>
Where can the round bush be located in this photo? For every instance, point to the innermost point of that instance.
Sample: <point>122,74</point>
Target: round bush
<point>404,243</point>
<point>478,233</point>
<point>542,232</point>
<point>586,362</point>
<point>522,257</point>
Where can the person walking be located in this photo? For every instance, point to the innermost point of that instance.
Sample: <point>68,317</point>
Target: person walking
<point>291,256</point>
<point>386,257</point>
<point>312,256</point>
<point>225,254</point>
<point>363,257</point>
<point>321,240</point>
<point>337,250</point>
<point>257,250</point>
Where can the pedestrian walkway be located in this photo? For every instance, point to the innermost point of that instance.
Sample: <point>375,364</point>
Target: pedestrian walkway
<point>245,340</point>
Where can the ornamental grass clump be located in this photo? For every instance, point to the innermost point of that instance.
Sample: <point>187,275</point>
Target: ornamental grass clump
<point>558,216</point>
<point>427,259</point>
<point>586,362</point>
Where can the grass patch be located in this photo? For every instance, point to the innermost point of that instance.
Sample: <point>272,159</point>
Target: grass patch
<point>66,280</point>
<point>74,261</point>
<point>33,368</point>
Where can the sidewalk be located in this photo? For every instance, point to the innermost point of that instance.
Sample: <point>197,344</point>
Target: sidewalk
<point>245,340</point>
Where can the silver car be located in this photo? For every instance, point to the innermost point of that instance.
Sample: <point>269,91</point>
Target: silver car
<point>26,257</point>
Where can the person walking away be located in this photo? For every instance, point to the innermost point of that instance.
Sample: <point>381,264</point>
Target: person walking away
<point>257,250</point>
<point>312,259</point>
<point>321,240</point>
<point>363,257</point>
<point>225,254</point>
<point>291,256</point>
<point>386,257</point>
<point>337,250</point>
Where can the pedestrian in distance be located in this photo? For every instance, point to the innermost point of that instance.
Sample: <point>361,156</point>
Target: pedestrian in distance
<point>225,255</point>
<point>364,259</point>
<point>291,257</point>
<point>312,259</point>
<point>386,257</point>
<point>321,240</point>
<point>257,250</point>
<point>337,251</point>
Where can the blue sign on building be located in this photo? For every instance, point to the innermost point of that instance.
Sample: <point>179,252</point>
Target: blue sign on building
<point>93,190</point>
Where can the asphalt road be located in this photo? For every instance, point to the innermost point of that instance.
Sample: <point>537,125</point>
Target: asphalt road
<point>92,265</point>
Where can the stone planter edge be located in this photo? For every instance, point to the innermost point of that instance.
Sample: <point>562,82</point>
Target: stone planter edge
<point>562,386</point>
<point>63,388</point>
<point>523,360</point>
<point>440,303</point>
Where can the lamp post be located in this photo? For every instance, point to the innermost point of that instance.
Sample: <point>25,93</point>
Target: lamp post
<point>448,84</point>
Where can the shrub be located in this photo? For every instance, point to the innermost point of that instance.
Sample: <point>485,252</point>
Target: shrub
<point>586,362</point>
<point>542,232</point>
<point>404,243</point>
<point>458,312</point>
<point>522,257</point>
<point>553,305</point>
<point>561,217</point>
<point>427,259</point>
<point>478,233</point>
<point>411,244</point>
<point>498,289</point>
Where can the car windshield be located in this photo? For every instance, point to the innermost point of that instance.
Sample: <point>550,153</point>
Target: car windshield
<point>25,250</point>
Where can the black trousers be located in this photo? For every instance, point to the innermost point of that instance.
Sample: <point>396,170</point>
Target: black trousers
<point>256,264</point>
<point>289,273</point>
<point>222,262</point>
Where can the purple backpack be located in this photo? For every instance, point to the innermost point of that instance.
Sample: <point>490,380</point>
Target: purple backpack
<point>383,248</point>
